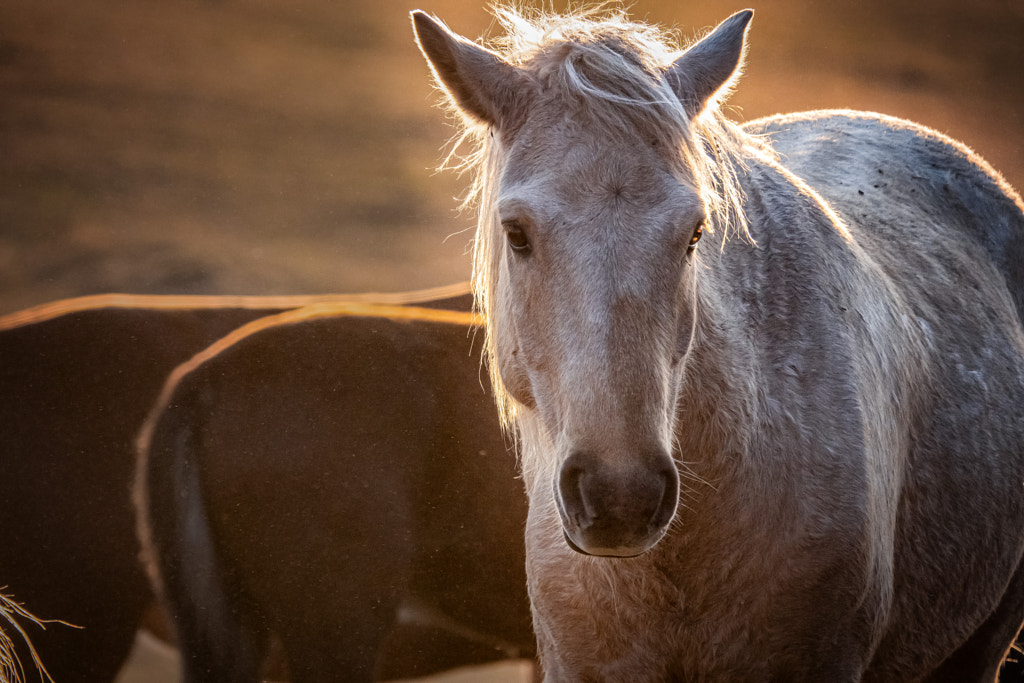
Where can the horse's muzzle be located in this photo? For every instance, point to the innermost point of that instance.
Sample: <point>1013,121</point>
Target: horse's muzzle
<point>616,510</point>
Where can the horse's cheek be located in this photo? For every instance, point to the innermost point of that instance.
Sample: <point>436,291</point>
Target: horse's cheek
<point>517,383</point>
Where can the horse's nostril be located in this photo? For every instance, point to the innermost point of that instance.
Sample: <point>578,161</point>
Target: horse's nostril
<point>669,499</point>
<point>574,505</point>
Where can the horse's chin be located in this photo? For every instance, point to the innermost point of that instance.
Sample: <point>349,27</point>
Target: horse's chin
<point>621,553</point>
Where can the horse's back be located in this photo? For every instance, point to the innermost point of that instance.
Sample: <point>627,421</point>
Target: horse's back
<point>893,174</point>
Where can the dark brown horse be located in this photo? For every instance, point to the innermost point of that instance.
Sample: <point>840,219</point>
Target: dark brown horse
<point>76,379</point>
<point>336,477</point>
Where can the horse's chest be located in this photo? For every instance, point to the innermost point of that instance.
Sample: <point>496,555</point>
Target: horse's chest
<point>629,621</point>
<point>613,638</point>
<point>702,606</point>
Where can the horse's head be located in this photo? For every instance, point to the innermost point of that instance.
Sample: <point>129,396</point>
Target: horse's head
<point>593,198</point>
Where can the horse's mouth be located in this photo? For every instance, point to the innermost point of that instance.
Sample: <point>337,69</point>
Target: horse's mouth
<point>612,552</point>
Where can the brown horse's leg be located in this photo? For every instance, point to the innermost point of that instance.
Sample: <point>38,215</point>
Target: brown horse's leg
<point>980,657</point>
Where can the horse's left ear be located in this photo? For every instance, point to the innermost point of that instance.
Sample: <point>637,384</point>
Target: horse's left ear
<point>708,68</point>
<point>480,83</point>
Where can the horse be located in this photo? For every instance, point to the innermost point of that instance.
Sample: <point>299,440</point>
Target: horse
<point>766,379</point>
<point>77,377</point>
<point>334,480</point>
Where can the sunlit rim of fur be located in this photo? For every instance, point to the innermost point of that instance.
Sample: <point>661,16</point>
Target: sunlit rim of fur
<point>572,52</point>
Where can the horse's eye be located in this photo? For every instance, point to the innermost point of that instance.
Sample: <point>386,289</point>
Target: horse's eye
<point>698,232</point>
<point>516,237</point>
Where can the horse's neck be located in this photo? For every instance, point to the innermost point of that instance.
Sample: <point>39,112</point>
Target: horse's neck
<point>744,290</point>
<point>718,386</point>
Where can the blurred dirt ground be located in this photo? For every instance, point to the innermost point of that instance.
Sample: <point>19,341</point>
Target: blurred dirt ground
<point>273,147</point>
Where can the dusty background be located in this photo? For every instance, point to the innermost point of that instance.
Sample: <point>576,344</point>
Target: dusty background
<point>273,146</point>
<point>287,146</point>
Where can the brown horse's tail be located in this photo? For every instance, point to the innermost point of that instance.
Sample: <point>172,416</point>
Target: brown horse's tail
<point>179,550</point>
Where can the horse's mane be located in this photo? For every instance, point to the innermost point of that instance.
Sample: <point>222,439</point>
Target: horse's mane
<point>599,62</point>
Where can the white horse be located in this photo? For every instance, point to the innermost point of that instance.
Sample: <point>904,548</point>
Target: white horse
<point>767,380</point>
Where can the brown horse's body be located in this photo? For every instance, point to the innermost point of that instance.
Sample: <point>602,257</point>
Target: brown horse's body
<point>340,481</point>
<point>74,391</point>
<point>77,378</point>
<point>768,380</point>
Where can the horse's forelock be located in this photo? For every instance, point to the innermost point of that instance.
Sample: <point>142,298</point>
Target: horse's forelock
<point>592,57</point>
<point>528,33</point>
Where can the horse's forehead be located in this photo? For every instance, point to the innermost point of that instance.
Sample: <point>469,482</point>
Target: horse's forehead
<point>573,163</point>
<point>559,134</point>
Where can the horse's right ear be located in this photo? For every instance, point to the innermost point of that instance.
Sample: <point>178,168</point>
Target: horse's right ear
<point>480,83</point>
